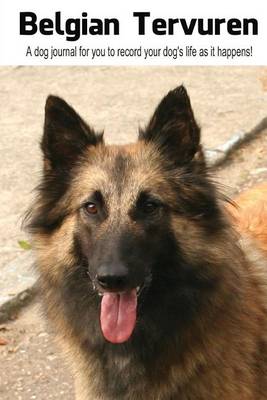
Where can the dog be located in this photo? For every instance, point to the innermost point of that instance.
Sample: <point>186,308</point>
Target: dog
<point>250,217</point>
<point>152,291</point>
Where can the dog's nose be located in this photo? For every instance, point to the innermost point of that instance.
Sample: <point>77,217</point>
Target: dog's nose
<point>112,277</point>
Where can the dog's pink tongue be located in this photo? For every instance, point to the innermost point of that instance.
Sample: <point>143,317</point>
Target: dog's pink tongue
<point>118,315</point>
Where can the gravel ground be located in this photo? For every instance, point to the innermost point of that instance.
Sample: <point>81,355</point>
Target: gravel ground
<point>31,366</point>
<point>225,100</point>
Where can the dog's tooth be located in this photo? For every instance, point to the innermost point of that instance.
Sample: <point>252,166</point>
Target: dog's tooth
<point>138,288</point>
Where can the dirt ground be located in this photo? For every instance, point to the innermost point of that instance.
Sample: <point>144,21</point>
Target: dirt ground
<point>225,100</point>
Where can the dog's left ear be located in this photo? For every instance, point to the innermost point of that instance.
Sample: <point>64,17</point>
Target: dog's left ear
<point>66,135</point>
<point>173,128</point>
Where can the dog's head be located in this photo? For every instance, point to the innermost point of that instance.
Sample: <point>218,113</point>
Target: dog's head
<point>125,227</point>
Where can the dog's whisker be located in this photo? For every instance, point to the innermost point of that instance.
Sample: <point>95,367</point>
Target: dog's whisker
<point>141,271</point>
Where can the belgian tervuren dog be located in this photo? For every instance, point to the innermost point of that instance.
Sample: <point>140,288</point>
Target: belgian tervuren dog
<point>152,292</point>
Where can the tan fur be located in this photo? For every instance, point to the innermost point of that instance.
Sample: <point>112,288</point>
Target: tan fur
<point>250,215</point>
<point>220,353</point>
<point>240,306</point>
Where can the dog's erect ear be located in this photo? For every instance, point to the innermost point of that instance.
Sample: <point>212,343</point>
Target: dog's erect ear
<point>65,136</point>
<point>173,127</point>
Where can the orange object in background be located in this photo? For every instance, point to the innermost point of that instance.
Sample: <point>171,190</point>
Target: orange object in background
<point>250,215</point>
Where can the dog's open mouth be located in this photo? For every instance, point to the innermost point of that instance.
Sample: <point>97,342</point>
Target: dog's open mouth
<point>118,315</point>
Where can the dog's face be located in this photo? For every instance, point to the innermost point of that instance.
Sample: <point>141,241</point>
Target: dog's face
<point>127,225</point>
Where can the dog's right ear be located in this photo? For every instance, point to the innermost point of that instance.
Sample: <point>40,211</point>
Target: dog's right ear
<point>173,128</point>
<point>65,136</point>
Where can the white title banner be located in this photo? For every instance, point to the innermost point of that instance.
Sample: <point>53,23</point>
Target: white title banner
<point>133,33</point>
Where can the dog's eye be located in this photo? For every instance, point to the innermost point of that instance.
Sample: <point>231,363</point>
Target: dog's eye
<point>150,206</point>
<point>91,208</point>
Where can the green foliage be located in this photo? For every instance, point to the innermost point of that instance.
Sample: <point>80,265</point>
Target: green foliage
<point>24,245</point>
